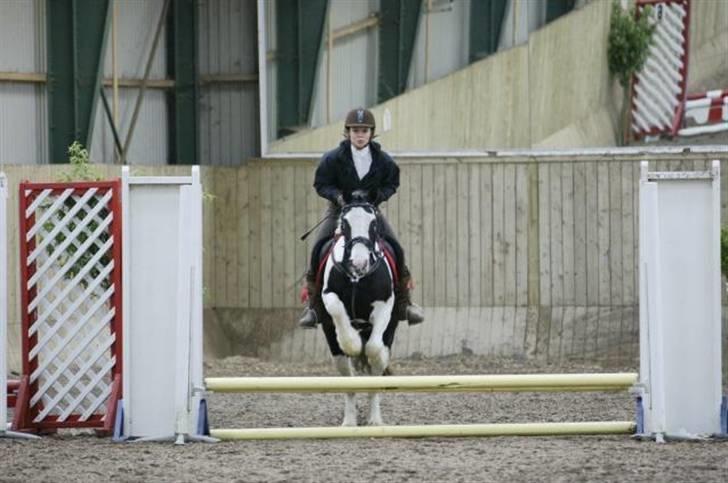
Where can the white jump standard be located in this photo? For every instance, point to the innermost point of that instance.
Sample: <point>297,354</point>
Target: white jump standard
<point>678,387</point>
<point>4,432</point>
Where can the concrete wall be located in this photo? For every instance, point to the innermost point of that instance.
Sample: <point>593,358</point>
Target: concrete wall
<point>708,45</point>
<point>518,98</point>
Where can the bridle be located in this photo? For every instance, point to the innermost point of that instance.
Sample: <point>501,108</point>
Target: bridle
<point>375,255</point>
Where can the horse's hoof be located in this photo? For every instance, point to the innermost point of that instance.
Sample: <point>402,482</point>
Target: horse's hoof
<point>348,424</point>
<point>375,422</point>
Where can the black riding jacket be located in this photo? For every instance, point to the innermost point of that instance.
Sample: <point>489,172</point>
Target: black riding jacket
<point>337,175</point>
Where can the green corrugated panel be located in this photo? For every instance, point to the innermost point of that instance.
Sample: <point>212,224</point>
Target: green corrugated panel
<point>182,67</point>
<point>76,40</point>
<point>486,20</point>
<point>397,33</point>
<point>299,28</point>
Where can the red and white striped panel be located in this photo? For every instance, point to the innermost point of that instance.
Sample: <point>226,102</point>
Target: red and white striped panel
<point>658,90</point>
<point>70,255</point>
<point>705,113</point>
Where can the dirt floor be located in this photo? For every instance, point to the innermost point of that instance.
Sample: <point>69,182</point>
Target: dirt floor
<point>82,457</point>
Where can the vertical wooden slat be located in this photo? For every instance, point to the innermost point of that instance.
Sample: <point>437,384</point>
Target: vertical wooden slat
<point>208,228</point>
<point>301,189</point>
<point>509,233</point>
<point>628,257</point>
<point>416,221</point>
<point>440,230</point>
<point>219,239</point>
<point>266,237</point>
<point>451,239</point>
<point>580,229</point>
<point>544,239</point>
<point>603,233</point>
<point>522,239</point>
<point>428,237</point>
<point>557,247</point>
<point>463,240</point>
<point>290,237</point>
<point>278,198</point>
<point>592,235</point>
<point>243,214</point>
<point>405,226</point>
<point>568,232</point>
<point>232,220</point>
<point>499,242</point>
<point>474,237</point>
<point>616,221</point>
<point>256,233</point>
<point>486,235</point>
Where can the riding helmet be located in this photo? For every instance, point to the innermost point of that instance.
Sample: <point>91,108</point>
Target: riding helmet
<point>360,117</point>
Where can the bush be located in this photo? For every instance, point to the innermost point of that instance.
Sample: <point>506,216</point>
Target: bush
<point>629,42</point>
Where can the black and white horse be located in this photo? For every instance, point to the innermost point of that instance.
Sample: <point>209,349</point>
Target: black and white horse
<point>357,292</point>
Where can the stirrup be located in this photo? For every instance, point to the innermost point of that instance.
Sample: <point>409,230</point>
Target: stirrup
<point>308,319</point>
<point>414,314</point>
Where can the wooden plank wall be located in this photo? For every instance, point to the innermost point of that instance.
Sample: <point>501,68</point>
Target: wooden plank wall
<point>527,258</point>
<point>533,257</point>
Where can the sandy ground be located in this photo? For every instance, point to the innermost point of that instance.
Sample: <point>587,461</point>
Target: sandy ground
<point>82,457</point>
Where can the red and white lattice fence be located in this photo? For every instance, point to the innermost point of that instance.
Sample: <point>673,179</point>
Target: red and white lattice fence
<point>659,89</point>
<point>70,254</point>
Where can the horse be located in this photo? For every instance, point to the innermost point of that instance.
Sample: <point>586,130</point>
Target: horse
<point>358,296</point>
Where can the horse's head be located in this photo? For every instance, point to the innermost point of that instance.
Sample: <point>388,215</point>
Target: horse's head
<point>358,225</point>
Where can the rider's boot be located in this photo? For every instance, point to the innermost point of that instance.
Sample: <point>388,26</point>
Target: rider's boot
<point>404,308</point>
<point>309,318</point>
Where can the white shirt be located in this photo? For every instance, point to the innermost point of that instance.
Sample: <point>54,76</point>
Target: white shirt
<point>362,160</point>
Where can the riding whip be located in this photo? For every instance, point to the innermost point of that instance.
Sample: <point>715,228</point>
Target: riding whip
<point>305,235</point>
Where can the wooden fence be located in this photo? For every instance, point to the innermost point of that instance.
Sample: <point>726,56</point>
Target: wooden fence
<point>515,256</point>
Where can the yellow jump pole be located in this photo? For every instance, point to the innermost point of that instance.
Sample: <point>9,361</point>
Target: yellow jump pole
<point>428,431</point>
<point>469,383</point>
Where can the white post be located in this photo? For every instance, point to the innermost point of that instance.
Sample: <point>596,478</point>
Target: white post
<point>162,229</point>
<point>3,304</point>
<point>680,322</point>
<point>4,313</point>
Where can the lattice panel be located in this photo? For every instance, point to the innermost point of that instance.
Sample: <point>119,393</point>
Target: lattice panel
<point>71,305</point>
<point>658,93</point>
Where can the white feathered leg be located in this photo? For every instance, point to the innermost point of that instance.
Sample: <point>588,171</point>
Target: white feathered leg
<point>343,364</point>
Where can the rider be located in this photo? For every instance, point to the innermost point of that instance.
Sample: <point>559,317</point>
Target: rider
<point>358,168</point>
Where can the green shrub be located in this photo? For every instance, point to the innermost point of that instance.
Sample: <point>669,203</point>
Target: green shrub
<point>629,42</point>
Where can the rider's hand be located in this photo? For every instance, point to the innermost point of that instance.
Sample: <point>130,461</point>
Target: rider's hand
<point>360,196</point>
<point>340,200</point>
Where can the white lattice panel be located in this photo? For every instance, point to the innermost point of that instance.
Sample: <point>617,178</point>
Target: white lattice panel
<point>659,88</point>
<point>71,303</point>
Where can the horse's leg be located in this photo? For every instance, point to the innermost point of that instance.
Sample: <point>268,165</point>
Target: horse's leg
<point>347,337</point>
<point>343,364</point>
<point>378,354</point>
